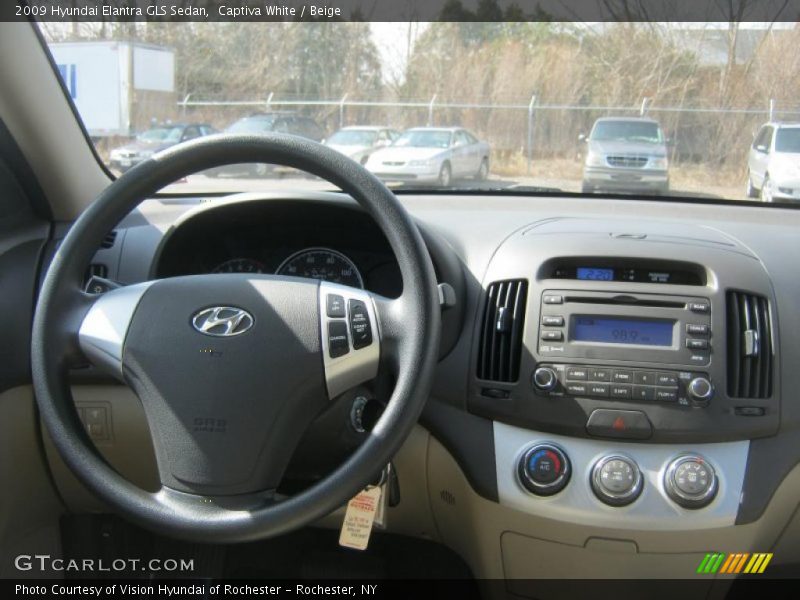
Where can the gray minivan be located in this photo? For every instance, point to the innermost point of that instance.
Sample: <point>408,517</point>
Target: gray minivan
<point>626,154</point>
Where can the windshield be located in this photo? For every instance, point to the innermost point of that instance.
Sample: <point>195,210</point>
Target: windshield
<point>354,137</point>
<point>788,140</point>
<point>424,139</point>
<point>674,106</point>
<point>626,131</point>
<point>161,134</point>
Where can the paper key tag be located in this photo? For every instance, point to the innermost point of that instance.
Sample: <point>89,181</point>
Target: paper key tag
<point>358,519</point>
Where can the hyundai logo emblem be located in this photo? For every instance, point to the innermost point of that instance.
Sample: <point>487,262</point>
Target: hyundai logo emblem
<point>222,321</point>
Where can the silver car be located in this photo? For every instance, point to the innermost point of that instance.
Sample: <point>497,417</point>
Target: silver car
<point>358,142</point>
<point>432,155</point>
<point>626,154</point>
<point>774,163</point>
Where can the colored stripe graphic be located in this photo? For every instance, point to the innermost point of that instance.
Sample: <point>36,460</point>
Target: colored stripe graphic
<point>728,563</point>
<point>740,564</point>
<point>764,563</point>
<point>704,564</point>
<point>734,564</point>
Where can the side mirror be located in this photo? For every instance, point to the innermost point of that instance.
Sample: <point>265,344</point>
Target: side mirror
<point>581,137</point>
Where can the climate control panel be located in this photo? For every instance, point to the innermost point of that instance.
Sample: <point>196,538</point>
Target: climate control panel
<point>686,388</point>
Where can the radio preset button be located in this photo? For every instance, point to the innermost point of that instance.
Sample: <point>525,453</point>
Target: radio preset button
<point>667,379</point>
<point>621,392</point>
<point>697,344</point>
<point>598,389</point>
<point>644,377</point>
<point>576,389</point>
<point>622,377</point>
<point>576,373</point>
<point>552,336</point>
<point>644,392</point>
<point>697,329</point>
<point>599,375</point>
<point>552,320</point>
<point>699,307</point>
<point>666,395</point>
<point>552,299</point>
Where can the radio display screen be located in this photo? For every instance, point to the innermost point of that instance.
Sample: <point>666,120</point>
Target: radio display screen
<point>593,274</point>
<point>620,330</point>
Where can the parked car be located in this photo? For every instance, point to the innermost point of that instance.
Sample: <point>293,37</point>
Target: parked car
<point>626,154</point>
<point>774,163</point>
<point>260,123</point>
<point>151,141</point>
<point>431,155</point>
<point>358,142</point>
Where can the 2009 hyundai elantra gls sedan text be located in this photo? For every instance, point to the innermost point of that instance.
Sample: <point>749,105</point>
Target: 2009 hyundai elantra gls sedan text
<point>491,383</point>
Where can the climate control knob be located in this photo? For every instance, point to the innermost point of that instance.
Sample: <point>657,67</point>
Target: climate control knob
<point>616,480</point>
<point>690,481</point>
<point>544,469</point>
<point>545,379</point>
<point>700,389</point>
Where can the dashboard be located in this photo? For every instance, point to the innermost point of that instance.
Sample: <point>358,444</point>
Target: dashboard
<point>606,372</point>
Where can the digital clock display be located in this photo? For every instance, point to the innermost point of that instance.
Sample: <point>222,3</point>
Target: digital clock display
<point>616,330</point>
<point>593,274</point>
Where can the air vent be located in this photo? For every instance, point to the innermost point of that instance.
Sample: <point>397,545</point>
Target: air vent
<point>109,240</point>
<point>749,346</point>
<point>501,331</point>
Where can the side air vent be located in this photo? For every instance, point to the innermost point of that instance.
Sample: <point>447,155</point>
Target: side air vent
<point>750,356</point>
<point>501,331</point>
<point>109,240</point>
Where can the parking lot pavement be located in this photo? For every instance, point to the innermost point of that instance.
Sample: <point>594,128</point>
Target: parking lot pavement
<point>200,184</point>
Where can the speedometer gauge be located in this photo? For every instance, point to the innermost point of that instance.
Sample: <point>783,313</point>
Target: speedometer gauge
<point>324,264</point>
<point>240,265</point>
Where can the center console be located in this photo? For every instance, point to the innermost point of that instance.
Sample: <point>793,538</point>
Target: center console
<point>624,380</point>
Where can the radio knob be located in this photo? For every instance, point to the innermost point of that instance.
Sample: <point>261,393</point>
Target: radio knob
<point>700,389</point>
<point>545,379</point>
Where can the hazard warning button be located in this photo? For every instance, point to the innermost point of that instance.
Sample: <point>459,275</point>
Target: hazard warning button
<point>621,424</point>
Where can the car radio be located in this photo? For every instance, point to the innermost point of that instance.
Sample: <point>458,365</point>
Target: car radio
<point>629,327</point>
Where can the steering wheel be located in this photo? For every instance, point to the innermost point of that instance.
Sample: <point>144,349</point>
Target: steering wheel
<point>231,369</point>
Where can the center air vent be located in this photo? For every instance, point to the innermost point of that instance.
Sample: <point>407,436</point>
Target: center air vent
<point>108,241</point>
<point>501,331</point>
<point>749,346</point>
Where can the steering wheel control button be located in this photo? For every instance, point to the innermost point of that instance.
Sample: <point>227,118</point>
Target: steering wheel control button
<point>619,424</point>
<point>700,389</point>
<point>334,306</point>
<point>544,470</point>
<point>545,379</point>
<point>360,327</point>
<point>691,482</point>
<point>616,480</point>
<point>337,339</point>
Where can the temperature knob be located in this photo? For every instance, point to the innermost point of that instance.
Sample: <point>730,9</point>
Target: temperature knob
<point>544,470</point>
<point>545,379</point>
<point>691,482</point>
<point>700,389</point>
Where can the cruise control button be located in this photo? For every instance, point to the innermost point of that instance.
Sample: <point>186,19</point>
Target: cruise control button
<point>621,392</point>
<point>621,377</point>
<point>553,299</point>
<point>622,424</point>
<point>666,395</point>
<point>667,379</point>
<point>697,344</point>
<point>552,320</point>
<point>576,389</point>
<point>335,306</point>
<point>337,339</point>
<point>644,392</point>
<point>644,377</point>
<point>599,375</point>
<point>552,335</point>
<point>578,373</point>
<point>360,327</point>
<point>696,329</point>
<point>598,389</point>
